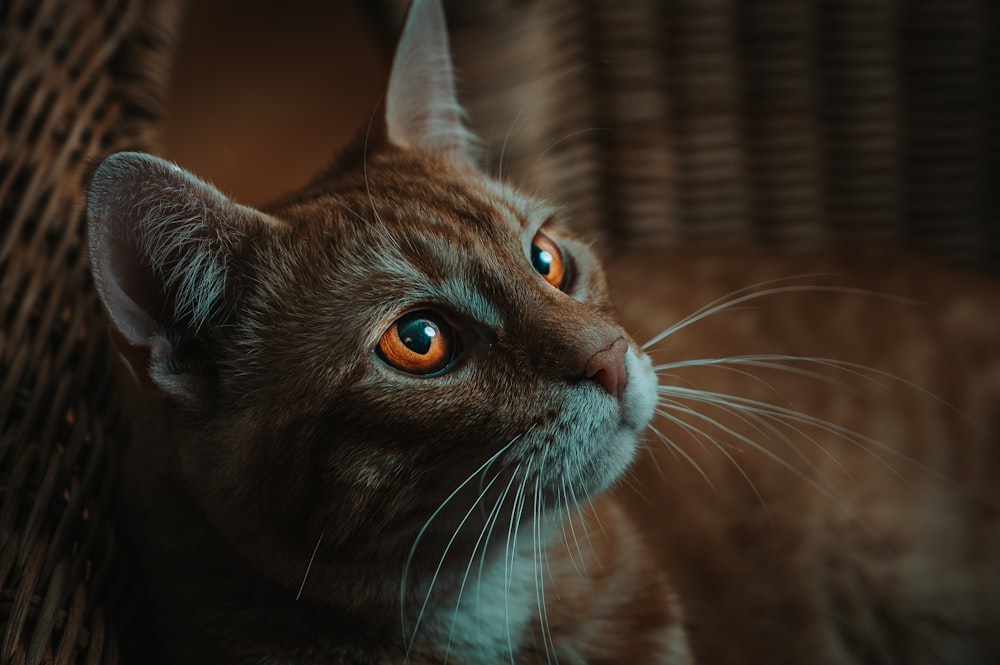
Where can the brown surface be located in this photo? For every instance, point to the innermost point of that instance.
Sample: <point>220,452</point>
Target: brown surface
<point>264,93</point>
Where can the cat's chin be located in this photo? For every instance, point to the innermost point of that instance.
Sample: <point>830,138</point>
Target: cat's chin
<point>600,459</point>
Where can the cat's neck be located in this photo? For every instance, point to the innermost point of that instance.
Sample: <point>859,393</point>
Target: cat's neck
<point>487,614</point>
<point>475,607</point>
<point>571,588</point>
<point>545,586</point>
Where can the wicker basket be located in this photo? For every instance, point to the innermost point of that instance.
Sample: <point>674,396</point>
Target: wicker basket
<point>78,79</point>
<point>800,122</point>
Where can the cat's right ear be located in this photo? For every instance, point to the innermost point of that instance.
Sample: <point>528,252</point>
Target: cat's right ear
<point>421,107</point>
<point>161,243</point>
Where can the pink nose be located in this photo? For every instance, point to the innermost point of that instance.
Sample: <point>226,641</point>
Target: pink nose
<point>607,368</point>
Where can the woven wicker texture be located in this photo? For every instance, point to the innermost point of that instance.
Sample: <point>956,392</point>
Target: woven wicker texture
<point>78,80</point>
<point>718,122</point>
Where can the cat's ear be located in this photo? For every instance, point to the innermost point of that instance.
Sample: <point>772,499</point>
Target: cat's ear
<point>161,242</point>
<point>421,107</point>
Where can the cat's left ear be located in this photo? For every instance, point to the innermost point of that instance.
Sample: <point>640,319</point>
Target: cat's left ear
<point>422,109</point>
<point>165,248</point>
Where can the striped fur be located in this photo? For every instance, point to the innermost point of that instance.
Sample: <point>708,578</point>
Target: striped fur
<point>293,498</point>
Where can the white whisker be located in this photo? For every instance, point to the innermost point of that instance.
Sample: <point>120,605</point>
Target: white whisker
<point>771,432</point>
<point>785,415</point>
<point>721,448</point>
<point>510,552</point>
<point>364,167</point>
<point>520,112</point>
<point>472,557</point>
<point>784,363</point>
<point>597,518</point>
<point>536,547</point>
<point>440,565</point>
<point>583,524</point>
<point>491,521</point>
<point>310,564</point>
<point>677,450</point>
<point>741,437</point>
<point>576,541</point>
<point>409,559</point>
<point>751,293</point>
<point>552,145</point>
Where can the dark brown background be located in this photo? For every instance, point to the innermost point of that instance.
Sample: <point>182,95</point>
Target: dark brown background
<point>263,93</point>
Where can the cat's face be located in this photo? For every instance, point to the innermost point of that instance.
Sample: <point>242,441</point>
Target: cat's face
<point>449,320</point>
<point>341,367</point>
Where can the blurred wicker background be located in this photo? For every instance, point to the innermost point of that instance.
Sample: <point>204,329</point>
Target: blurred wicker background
<point>802,122</point>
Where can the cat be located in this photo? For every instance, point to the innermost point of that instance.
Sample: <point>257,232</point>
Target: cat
<point>394,417</point>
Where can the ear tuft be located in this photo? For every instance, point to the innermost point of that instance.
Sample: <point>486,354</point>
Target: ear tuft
<point>174,223</point>
<point>161,244</point>
<point>422,110</point>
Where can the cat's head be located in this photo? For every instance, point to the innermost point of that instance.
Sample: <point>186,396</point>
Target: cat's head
<point>402,331</point>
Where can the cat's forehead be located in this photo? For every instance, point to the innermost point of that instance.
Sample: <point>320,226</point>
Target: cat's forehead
<point>462,200</point>
<point>410,207</point>
<point>400,239</point>
<point>407,189</point>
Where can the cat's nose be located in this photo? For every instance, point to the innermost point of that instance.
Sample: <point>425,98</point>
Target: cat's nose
<point>607,368</point>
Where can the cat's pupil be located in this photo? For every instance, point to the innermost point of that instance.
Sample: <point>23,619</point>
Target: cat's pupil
<point>417,334</point>
<point>541,260</point>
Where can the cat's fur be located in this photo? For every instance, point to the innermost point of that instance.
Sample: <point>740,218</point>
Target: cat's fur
<point>293,498</point>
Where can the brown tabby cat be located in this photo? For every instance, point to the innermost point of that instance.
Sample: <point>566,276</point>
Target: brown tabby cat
<point>381,418</point>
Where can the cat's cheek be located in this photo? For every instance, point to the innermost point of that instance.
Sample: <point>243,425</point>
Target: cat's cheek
<point>639,398</point>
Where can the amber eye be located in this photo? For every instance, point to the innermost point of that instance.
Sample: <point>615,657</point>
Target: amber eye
<point>547,260</point>
<point>418,343</point>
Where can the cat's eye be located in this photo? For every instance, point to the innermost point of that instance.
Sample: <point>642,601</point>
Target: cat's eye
<point>547,260</point>
<point>418,343</point>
